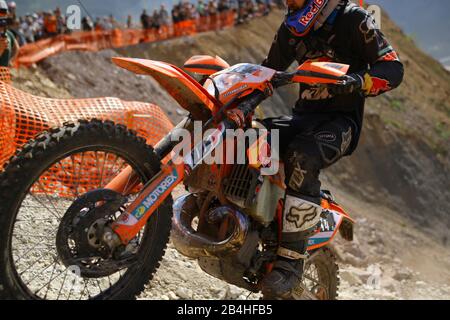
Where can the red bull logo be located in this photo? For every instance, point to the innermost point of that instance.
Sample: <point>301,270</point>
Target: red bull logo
<point>314,8</point>
<point>379,85</point>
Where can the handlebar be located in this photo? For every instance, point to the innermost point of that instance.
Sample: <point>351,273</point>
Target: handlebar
<point>284,78</point>
<point>248,106</point>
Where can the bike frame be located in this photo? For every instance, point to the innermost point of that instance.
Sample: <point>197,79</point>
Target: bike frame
<point>202,106</point>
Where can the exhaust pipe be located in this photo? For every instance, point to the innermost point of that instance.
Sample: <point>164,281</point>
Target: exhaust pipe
<point>193,245</point>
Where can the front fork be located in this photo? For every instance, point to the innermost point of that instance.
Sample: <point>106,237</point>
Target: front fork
<point>160,187</point>
<point>153,195</point>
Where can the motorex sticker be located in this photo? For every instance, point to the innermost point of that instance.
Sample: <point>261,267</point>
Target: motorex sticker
<point>153,197</point>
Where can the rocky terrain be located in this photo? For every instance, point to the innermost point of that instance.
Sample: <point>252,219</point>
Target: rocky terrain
<point>396,185</point>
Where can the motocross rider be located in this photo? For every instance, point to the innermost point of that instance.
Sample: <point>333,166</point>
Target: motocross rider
<point>326,122</point>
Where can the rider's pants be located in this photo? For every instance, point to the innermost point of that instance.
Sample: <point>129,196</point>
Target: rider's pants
<point>308,144</point>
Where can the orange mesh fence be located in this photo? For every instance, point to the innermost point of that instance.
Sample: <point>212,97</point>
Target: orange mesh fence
<point>5,75</point>
<point>23,116</point>
<point>98,40</point>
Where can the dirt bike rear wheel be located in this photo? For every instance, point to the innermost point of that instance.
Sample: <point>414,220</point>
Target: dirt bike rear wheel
<point>50,173</point>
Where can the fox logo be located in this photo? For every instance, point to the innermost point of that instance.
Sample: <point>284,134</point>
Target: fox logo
<point>346,140</point>
<point>302,216</point>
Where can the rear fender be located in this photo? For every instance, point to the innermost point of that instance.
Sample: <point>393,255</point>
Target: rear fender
<point>182,87</point>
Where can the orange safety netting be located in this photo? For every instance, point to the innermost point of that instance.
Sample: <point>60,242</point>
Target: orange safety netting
<point>99,40</point>
<point>23,116</point>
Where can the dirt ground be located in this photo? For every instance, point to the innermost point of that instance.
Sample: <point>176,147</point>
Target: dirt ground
<point>396,185</point>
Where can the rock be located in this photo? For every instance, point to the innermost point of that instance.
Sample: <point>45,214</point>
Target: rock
<point>172,296</point>
<point>222,294</point>
<point>403,274</point>
<point>233,293</point>
<point>216,290</point>
<point>397,260</point>
<point>369,277</point>
<point>182,276</point>
<point>354,261</point>
<point>185,294</point>
<point>350,278</point>
<point>391,287</point>
<point>164,297</point>
<point>71,76</point>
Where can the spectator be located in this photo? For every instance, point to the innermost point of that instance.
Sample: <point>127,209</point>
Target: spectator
<point>60,21</point>
<point>12,6</point>
<point>112,23</point>
<point>164,16</point>
<point>176,14</point>
<point>8,43</point>
<point>202,9</point>
<point>34,27</point>
<point>16,23</point>
<point>156,20</point>
<point>87,24</point>
<point>223,6</point>
<point>212,8</point>
<point>99,26</point>
<point>145,20</point>
<point>130,22</point>
<point>50,24</point>
<point>26,28</point>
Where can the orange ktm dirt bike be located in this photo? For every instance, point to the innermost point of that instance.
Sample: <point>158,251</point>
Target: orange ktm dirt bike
<point>86,210</point>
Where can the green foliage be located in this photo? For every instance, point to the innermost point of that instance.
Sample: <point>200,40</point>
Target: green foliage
<point>443,130</point>
<point>392,123</point>
<point>397,105</point>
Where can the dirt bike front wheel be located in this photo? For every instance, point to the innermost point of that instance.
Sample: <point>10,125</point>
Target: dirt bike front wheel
<point>38,187</point>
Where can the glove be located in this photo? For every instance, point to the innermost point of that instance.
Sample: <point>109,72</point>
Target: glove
<point>352,83</point>
<point>237,116</point>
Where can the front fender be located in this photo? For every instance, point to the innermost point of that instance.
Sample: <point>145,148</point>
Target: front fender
<point>182,87</point>
<point>335,220</point>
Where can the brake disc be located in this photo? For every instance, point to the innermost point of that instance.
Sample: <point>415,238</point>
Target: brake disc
<point>79,239</point>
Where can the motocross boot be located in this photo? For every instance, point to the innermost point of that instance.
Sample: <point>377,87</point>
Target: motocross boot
<point>300,219</point>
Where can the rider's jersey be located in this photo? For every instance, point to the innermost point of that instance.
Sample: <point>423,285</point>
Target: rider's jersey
<point>352,38</point>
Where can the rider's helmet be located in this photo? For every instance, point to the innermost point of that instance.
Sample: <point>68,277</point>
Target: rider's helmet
<point>301,21</point>
<point>12,5</point>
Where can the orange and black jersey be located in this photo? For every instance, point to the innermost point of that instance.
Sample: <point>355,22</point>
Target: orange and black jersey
<point>352,38</point>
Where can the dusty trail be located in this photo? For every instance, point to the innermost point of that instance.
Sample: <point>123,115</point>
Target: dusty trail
<point>381,264</point>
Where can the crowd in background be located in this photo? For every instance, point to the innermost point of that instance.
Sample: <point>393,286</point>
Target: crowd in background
<point>40,25</point>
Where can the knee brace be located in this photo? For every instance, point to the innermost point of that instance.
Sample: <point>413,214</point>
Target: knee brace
<point>300,218</point>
